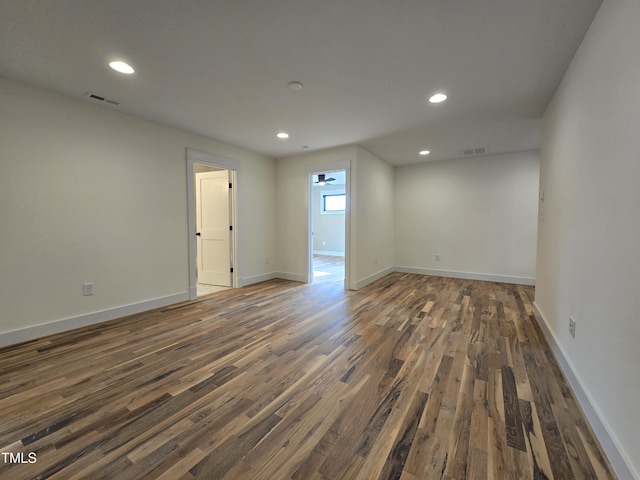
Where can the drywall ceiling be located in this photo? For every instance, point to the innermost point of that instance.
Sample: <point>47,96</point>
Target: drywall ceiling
<point>339,177</point>
<point>221,68</point>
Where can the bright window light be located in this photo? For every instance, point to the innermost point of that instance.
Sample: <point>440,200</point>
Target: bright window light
<point>334,202</point>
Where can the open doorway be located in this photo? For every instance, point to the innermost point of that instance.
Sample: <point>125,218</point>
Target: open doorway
<point>213,256</point>
<point>328,226</point>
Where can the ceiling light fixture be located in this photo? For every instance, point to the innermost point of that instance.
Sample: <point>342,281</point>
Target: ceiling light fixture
<point>437,98</point>
<point>122,67</point>
<point>282,135</point>
<point>295,85</point>
<point>424,152</point>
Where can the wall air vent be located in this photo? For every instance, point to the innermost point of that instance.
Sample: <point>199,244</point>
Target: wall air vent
<point>100,98</point>
<point>467,152</point>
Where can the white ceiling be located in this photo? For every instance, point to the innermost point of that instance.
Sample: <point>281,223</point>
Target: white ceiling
<point>220,68</point>
<point>339,178</point>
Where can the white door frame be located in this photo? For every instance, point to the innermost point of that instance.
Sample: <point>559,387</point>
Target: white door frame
<point>213,232</point>
<point>193,157</point>
<point>333,167</point>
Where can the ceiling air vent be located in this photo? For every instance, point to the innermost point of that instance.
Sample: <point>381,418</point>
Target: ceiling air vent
<point>100,98</point>
<point>467,152</point>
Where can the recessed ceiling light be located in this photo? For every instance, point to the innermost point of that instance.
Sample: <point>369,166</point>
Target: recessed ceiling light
<point>424,152</point>
<point>122,67</point>
<point>282,135</point>
<point>437,98</point>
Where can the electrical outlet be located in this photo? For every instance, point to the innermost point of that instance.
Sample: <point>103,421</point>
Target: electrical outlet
<point>437,257</point>
<point>572,327</point>
<point>87,289</point>
<point>375,260</point>
<point>266,260</point>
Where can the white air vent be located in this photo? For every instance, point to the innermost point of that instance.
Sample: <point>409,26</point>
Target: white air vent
<point>100,98</point>
<point>466,152</point>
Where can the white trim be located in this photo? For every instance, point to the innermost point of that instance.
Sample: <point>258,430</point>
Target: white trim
<point>614,451</point>
<point>294,277</point>
<point>196,156</point>
<point>328,167</point>
<point>71,323</point>
<point>257,279</point>
<point>468,275</point>
<point>329,253</point>
<point>371,278</point>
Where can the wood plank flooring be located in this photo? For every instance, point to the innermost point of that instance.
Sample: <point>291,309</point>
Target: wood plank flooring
<point>412,377</point>
<point>328,268</point>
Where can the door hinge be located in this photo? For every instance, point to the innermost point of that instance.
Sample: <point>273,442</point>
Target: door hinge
<point>230,227</point>
<point>231,269</point>
<point>231,185</point>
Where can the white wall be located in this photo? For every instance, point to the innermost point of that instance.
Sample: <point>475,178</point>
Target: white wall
<point>328,228</point>
<point>479,214</point>
<point>369,222</point>
<point>88,194</point>
<point>372,234</point>
<point>589,241</point>
<point>292,205</point>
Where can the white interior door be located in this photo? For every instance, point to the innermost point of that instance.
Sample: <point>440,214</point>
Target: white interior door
<point>213,244</point>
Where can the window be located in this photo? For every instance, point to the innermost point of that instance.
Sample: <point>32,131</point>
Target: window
<point>334,201</point>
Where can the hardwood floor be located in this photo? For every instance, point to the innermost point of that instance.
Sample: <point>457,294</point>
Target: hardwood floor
<point>328,268</point>
<point>412,377</point>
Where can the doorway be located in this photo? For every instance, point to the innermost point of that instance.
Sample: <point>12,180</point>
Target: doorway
<point>213,229</point>
<point>328,210</point>
<point>212,220</point>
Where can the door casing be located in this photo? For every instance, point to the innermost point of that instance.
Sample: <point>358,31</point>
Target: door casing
<point>213,241</point>
<point>216,161</point>
<point>314,170</point>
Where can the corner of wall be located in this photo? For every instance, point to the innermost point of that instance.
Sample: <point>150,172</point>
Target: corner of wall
<point>612,448</point>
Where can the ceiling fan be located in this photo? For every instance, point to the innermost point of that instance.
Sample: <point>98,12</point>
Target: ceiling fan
<point>322,181</point>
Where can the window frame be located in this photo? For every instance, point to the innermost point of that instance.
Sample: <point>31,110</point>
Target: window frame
<point>332,193</point>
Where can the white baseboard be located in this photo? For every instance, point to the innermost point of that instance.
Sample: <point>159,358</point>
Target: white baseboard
<point>468,275</point>
<point>243,282</point>
<point>295,277</point>
<point>615,453</point>
<point>63,325</point>
<point>355,285</point>
<point>326,252</point>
